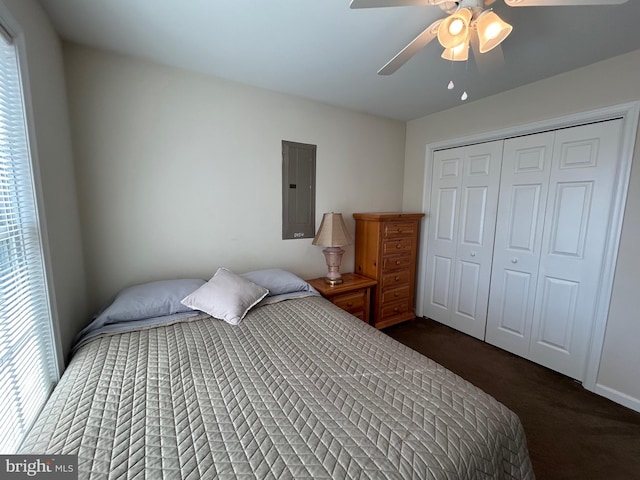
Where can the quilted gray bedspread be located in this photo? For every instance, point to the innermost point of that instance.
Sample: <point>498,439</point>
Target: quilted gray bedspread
<point>299,389</point>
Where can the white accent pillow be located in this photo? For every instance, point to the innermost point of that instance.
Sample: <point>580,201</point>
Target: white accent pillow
<point>226,296</point>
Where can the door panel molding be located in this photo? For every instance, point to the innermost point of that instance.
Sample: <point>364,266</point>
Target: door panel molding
<point>525,202</point>
<point>571,219</point>
<point>558,314</point>
<point>474,213</point>
<point>511,317</point>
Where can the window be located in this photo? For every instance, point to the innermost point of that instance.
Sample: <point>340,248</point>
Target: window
<point>28,368</point>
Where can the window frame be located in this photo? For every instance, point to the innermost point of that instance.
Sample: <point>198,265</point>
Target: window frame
<point>10,27</point>
<point>11,30</point>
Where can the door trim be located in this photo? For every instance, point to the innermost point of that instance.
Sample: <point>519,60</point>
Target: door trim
<point>629,113</point>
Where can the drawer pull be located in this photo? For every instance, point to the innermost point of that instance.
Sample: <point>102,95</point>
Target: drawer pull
<point>396,309</point>
<point>399,246</point>
<point>396,294</point>
<point>397,278</point>
<point>349,304</point>
<point>397,262</point>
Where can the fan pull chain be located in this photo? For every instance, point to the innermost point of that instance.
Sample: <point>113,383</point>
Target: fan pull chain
<point>464,95</point>
<point>451,85</point>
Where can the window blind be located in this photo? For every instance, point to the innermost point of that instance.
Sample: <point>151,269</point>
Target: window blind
<point>27,359</point>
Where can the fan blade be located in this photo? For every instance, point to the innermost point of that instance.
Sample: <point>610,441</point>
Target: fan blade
<point>560,3</point>
<point>410,50</point>
<point>395,3</point>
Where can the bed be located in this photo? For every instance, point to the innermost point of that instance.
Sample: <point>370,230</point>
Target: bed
<point>296,389</point>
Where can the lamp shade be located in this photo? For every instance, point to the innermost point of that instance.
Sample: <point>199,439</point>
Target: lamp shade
<point>332,232</point>
<point>458,53</point>
<point>492,30</point>
<point>454,29</point>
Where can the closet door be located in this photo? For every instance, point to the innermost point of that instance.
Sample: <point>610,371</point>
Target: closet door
<point>556,196</point>
<point>442,240</point>
<point>576,227</point>
<point>464,195</point>
<point>526,166</point>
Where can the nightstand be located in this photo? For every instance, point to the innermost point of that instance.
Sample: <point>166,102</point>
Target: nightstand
<point>352,295</point>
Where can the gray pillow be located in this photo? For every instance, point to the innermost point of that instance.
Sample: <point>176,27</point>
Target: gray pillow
<point>278,281</point>
<point>226,296</point>
<point>148,300</point>
<point>270,300</point>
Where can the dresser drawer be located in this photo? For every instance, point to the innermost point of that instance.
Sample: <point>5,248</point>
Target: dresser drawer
<point>396,279</point>
<point>396,263</point>
<point>399,246</point>
<point>395,294</point>
<point>352,302</point>
<point>399,229</point>
<point>395,309</point>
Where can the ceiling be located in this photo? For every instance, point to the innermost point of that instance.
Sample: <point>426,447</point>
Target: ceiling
<point>323,50</point>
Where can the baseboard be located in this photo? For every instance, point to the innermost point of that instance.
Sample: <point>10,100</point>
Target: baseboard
<point>618,397</point>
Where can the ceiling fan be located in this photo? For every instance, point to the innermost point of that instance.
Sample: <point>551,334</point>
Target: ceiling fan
<point>467,20</point>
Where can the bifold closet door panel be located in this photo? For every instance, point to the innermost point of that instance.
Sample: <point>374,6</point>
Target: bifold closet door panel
<point>526,166</point>
<point>576,228</point>
<point>464,196</point>
<point>446,182</point>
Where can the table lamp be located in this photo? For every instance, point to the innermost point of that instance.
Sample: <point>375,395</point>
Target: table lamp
<point>332,234</point>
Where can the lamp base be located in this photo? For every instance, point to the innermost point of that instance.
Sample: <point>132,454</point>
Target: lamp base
<point>333,256</point>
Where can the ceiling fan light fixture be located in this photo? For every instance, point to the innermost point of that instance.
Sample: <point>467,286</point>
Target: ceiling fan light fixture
<point>454,30</point>
<point>459,53</point>
<point>456,26</point>
<point>492,30</point>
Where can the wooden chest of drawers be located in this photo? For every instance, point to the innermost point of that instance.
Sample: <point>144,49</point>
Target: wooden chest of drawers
<point>386,251</point>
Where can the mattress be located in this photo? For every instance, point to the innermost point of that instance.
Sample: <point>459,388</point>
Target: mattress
<point>300,389</point>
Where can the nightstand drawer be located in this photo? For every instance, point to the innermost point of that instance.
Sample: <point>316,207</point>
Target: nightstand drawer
<point>352,295</point>
<point>400,229</point>
<point>351,302</point>
<point>397,247</point>
<point>401,277</point>
<point>395,294</point>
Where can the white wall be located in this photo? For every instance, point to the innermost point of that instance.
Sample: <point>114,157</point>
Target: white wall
<point>52,154</point>
<point>611,82</point>
<point>180,173</point>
